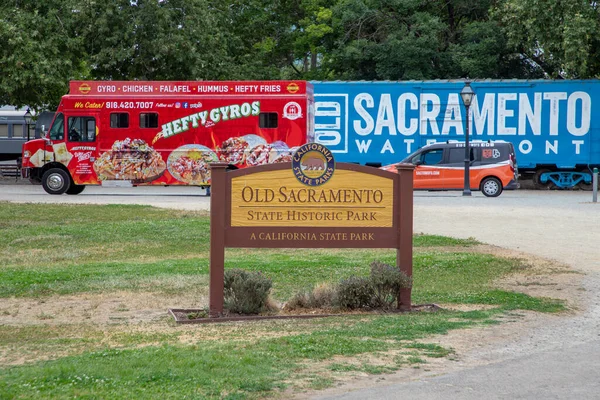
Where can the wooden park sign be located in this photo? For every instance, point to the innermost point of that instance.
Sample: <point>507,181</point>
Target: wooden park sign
<point>311,202</point>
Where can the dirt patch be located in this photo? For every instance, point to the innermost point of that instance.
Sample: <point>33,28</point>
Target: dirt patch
<point>100,309</point>
<point>541,278</point>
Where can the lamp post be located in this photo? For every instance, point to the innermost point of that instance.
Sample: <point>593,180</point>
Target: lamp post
<point>467,94</point>
<point>27,117</point>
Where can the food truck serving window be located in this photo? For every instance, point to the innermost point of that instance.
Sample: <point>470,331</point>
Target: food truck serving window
<point>82,129</point>
<point>119,120</point>
<point>267,120</point>
<point>148,120</point>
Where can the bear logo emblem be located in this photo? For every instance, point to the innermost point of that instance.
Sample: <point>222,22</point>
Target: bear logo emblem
<point>313,164</point>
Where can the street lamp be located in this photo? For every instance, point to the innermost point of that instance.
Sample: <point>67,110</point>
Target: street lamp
<point>28,117</point>
<point>467,94</point>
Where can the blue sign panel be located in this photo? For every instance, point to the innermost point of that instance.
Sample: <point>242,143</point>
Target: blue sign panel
<point>549,122</point>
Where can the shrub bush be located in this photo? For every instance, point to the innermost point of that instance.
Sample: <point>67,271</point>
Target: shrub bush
<point>246,292</point>
<point>387,282</point>
<point>355,292</point>
<point>379,290</point>
<point>299,300</point>
<point>322,296</point>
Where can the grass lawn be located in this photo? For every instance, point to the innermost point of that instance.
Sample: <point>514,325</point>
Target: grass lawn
<point>52,252</point>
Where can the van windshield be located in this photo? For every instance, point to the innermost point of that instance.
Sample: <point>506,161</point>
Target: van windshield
<point>408,158</point>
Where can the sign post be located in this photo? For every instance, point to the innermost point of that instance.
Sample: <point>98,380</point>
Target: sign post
<point>217,239</point>
<point>309,203</point>
<point>404,219</point>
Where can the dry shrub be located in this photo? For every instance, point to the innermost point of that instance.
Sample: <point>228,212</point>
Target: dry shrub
<point>355,292</point>
<point>324,296</point>
<point>387,282</point>
<point>321,296</point>
<point>246,292</point>
<point>380,290</point>
<point>298,301</point>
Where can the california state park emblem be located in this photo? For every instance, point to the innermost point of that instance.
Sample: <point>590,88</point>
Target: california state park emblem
<point>313,164</point>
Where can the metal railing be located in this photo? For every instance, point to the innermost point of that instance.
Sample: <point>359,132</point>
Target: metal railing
<point>10,171</point>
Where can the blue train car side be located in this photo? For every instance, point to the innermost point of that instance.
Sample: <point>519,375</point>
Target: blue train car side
<point>550,123</point>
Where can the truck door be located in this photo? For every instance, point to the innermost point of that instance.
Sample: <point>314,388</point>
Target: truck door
<point>81,132</point>
<point>453,175</point>
<point>427,174</point>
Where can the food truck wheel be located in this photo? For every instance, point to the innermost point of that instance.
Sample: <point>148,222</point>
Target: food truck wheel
<point>56,181</point>
<point>75,189</point>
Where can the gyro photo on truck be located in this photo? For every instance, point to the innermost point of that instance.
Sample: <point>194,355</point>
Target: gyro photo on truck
<point>118,133</point>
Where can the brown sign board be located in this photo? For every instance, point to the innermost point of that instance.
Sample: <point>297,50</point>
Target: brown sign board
<point>269,207</point>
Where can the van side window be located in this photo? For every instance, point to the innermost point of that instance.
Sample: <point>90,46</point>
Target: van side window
<point>432,157</point>
<point>456,155</point>
<point>492,155</point>
<point>148,120</point>
<point>82,129</point>
<point>119,120</point>
<point>267,120</point>
<point>57,132</point>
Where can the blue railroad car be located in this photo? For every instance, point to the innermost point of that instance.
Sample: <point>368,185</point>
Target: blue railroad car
<point>550,123</point>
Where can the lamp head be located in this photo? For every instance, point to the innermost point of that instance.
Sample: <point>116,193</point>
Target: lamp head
<point>467,94</point>
<point>28,117</point>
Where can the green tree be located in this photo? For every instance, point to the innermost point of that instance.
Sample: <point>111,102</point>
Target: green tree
<point>482,52</point>
<point>256,33</point>
<point>47,43</point>
<point>413,39</point>
<point>281,39</point>
<point>560,37</point>
<point>155,40</point>
<point>40,52</point>
<point>383,39</point>
<point>312,35</point>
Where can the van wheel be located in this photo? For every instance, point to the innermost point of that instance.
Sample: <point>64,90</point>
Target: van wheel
<point>75,189</point>
<point>491,187</point>
<point>56,181</point>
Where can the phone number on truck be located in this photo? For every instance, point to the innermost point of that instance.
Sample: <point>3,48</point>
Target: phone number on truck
<point>129,104</point>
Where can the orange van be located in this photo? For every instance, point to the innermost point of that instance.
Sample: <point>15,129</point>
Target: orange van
<point>441,166</point>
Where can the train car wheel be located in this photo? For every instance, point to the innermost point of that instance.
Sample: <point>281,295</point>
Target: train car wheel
<point>585,186</point>
<point>536,180</point>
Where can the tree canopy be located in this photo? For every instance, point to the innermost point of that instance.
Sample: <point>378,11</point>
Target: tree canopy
<point>47,43</point>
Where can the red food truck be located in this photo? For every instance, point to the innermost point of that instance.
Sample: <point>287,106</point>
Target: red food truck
<point>116,133</point>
